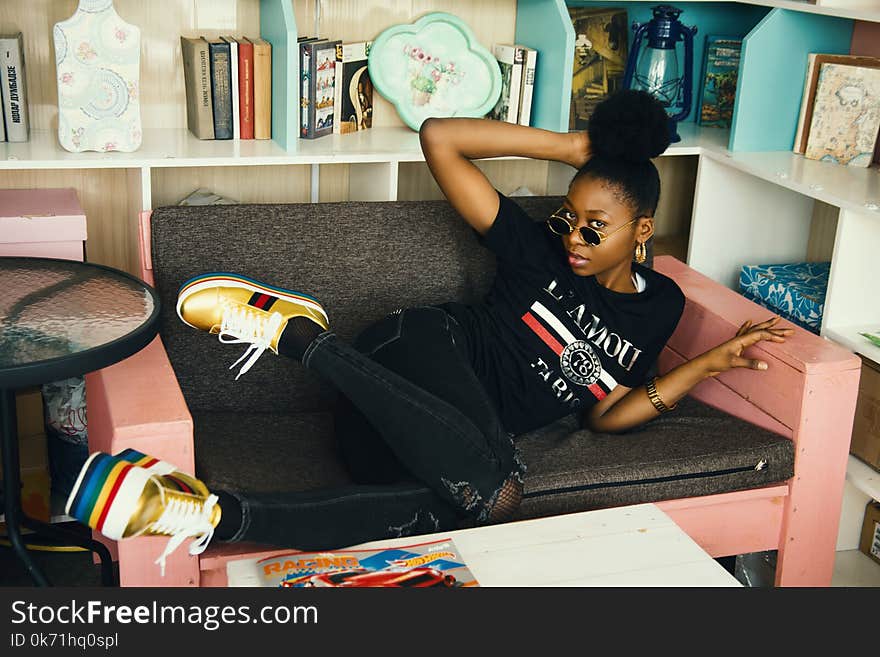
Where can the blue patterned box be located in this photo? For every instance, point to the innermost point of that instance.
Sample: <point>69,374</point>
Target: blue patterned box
<point>796,291</point>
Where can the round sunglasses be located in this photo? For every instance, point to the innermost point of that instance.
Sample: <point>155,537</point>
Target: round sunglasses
<point>561,225</point>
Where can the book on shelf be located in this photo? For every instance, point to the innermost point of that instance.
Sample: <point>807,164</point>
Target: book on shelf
<point>246,88</point>
<point>510,61</point>
<point>422,565</point>
<point>317,93</point>
<point>527,89</point>
<point>814,63</point>
<point>197,81</point>
<point>233,85</point>
<point>13,87</point>
<point>721,59</point>
<point>2,119</point>
<point>600,51</point>
<point>353,89</point>
<point>221,93</point>
<point>262,89</point>
<point>846,115</point>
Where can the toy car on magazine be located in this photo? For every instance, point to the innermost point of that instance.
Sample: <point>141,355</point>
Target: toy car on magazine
<point>409,578</point>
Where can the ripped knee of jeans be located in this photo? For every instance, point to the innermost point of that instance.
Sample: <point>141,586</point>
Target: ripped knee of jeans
<point>423,522</point>
<point>505,501</point>
<point>500,506</point>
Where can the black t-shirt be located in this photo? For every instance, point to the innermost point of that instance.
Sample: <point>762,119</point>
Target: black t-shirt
<point>547,342</point>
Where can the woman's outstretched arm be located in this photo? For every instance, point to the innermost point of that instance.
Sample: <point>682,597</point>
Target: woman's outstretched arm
<point>450,144</point>
<point>626,408</point>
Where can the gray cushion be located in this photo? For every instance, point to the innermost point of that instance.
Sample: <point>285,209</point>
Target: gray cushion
<point>695,450</point>
<point>267,451</point>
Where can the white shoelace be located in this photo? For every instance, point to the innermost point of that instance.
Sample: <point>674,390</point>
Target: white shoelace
<point>184,518</point>
<point>242,325</point>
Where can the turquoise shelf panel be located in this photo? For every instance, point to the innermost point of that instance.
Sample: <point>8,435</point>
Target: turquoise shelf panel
<point>278,27</point>
<point>544,25</point>
<point>771,79</point>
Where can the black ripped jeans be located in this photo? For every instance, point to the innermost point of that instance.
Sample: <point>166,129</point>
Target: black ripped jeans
<point>417,432</point>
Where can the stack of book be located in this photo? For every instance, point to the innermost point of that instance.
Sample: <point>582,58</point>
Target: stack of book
<point>517,64</point>
<point>336,93</point>
<point>228,87</point>
<point>840,110</point>
<point>13,89</point>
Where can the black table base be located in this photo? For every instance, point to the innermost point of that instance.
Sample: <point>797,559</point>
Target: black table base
<point>15,517</point>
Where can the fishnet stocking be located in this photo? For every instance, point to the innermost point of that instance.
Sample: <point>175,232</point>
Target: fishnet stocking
<point>507,501</point>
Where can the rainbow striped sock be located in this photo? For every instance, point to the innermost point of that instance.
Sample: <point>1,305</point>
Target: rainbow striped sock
<point>106,493</point>
<point>155,466</point>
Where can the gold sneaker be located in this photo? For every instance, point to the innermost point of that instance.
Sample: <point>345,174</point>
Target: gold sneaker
<point>241,310</point>
<point>121,500</point>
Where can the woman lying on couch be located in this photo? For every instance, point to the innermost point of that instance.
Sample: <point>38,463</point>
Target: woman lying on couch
<point>436,394</point>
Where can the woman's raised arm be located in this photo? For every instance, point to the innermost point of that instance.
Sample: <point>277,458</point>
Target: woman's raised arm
<point>449,145</point>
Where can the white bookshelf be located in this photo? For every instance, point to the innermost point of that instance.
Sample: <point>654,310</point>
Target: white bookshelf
<point>866,10</point>
<point>863,477</point>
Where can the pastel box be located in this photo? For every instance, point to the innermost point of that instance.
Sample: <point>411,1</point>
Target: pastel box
<point>795,291</point>
<point>47,223</point>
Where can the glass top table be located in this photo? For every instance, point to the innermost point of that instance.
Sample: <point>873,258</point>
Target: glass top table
<point>61,318</point>
<point>58,319</point>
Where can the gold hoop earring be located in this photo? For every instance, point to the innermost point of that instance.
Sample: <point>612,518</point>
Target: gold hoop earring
<point>641,253</point>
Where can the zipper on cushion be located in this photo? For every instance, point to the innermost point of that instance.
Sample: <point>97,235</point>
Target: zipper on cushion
<point>760,465</point>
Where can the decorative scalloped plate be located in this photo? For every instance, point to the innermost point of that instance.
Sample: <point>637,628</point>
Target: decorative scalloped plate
<point>434,67</point>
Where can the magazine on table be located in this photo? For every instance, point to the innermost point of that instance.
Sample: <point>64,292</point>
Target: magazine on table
<point>432,564</point>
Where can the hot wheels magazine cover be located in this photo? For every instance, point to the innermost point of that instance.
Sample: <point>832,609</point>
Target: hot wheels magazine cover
<point>437,563</point>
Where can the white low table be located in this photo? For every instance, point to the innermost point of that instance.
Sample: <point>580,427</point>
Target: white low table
<point>624,546</point>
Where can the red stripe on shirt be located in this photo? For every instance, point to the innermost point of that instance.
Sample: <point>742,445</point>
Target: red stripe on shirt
<point>542,333</point>
<point>598,393</point>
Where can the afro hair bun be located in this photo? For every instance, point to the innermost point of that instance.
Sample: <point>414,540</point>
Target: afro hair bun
<point>630,125</point>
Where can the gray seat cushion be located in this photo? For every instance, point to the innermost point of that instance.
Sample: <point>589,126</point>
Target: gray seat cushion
<point>695,450</point>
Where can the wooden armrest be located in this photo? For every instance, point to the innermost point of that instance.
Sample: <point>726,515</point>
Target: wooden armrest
<point>138,403</point>
<point>712,315</point>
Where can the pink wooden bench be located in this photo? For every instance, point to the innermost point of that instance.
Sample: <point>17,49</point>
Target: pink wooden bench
<point>807,394</point>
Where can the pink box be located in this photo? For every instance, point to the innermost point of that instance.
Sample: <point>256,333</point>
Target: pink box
<point>47,223</point>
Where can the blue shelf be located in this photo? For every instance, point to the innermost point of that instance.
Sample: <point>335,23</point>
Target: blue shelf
<point>545,26</point>
<point>771,78</point>
<point>278,27</point>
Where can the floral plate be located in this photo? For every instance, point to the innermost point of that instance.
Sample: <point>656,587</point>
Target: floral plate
<point>434,67</point>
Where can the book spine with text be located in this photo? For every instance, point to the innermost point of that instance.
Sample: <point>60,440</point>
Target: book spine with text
<point>220,87</point>
<point>530,63</point>
<point>305,62</point>
<point>197,80</point>
<point>318,88</point>
<point>337,90</point>
<point>246,88</point>
<point>13,88</point>
<point>233,85</point>
<point>510,63</point>
<point>262,89</point>
<point>2,120</point>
